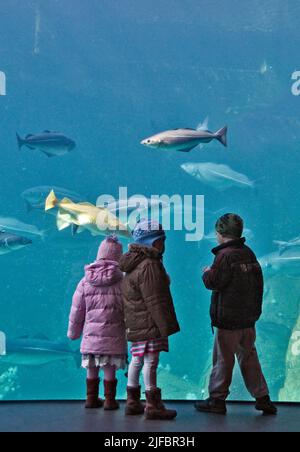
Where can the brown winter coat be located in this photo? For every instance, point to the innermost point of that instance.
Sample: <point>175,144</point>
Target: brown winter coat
<point>148,303</point>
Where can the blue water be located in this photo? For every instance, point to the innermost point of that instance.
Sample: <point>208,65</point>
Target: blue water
<point>109,73</point>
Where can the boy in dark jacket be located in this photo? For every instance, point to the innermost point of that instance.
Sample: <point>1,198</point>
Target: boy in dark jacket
<point>236,280</point>
<point>150,317</point>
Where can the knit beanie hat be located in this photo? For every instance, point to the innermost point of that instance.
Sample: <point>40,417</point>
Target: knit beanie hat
<point>147,232</point>
<point>110,249</point>
<point>230,226</point>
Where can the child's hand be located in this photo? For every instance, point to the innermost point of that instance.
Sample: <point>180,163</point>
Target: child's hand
<point>206,269</point>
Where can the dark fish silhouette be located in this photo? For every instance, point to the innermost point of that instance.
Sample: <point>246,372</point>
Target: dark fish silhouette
<point>53,144</point>
<point>11,242</point>
<point>35,197</point>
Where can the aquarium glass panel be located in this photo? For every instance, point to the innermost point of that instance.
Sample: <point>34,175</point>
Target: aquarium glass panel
<point>83,84</point>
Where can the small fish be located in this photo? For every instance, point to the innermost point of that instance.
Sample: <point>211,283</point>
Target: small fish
<point>35,197</point>
<point>284,246</point>
<point>53,144</point>
<point>12,224</point>
<point>211,237</point>
<point>85,216</point>
<point>265,67</point>
<point>11,242</point>
<point>37,351</point>
<point>220,177</point>
<point>184,140</point>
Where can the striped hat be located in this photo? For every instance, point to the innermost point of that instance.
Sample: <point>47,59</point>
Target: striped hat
<point>147,232</point>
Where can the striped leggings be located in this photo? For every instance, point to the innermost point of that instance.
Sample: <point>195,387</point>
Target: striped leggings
<point>149,364</point>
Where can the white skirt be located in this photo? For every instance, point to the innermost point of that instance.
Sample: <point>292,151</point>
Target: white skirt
<point>100,361</point>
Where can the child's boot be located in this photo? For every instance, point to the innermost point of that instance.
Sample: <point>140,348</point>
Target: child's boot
<point>211,405</point>
<point>155,409</point>
<point>134,406</point>
<point>110,403</point>
<point>266,406</point>
<point>93,400</point>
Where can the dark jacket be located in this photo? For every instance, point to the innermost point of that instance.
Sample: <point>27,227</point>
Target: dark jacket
<point>148,304</point>
<point>236,280</point>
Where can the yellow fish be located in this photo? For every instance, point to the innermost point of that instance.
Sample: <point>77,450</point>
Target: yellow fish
<point>85,216</point>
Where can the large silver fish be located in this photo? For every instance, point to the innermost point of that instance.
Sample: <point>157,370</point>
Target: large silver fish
<point>14,225</point>
<point>287,262</point>
<point>53,144</point>
<point>220,177</point>
<point>11,242</point>
<point>138,204</point>
<point>37,351</point>
<point>133,209</point>
<point>284,246</point>
<point>184,140</point>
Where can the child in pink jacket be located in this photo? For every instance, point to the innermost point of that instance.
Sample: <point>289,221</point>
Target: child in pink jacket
<point>97,314</point>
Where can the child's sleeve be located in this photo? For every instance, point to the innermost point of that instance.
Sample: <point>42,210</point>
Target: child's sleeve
<point>155,291</point>
<point>219,276</point>
<point>77,315</point>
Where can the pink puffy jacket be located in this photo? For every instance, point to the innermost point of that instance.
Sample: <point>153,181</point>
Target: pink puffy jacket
<point>97,311</point>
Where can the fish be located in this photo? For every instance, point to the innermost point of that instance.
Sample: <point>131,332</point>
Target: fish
<point>287,262</point>
<point>35,197</point>
<point>37,351</point>
<point>185,140</point>
<point>211,237</point>
<point>140,204</point>
<point>135,208</point>
<point>12,224</point>
<point>11,242</point>
<point>220,177</point>
<point>283,246</point>
<point>53,144</point>
<point>85,216</point>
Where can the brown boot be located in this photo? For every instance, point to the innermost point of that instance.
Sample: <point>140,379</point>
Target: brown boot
<point>155,409</point>
<point>110,403</point>
<point>93,400</point>
<point>134,407</point>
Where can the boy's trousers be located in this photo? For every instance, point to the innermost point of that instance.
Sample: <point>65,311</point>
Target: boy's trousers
<point>240,344</point>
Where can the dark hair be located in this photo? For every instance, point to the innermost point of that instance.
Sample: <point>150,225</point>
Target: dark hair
<point>230,226</point>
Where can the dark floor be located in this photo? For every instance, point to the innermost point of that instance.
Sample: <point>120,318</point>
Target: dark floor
<point>72,417</point>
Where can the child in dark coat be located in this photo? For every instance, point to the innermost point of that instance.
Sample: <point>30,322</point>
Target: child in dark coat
<point>236,280</point>
<point>150,317</point>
